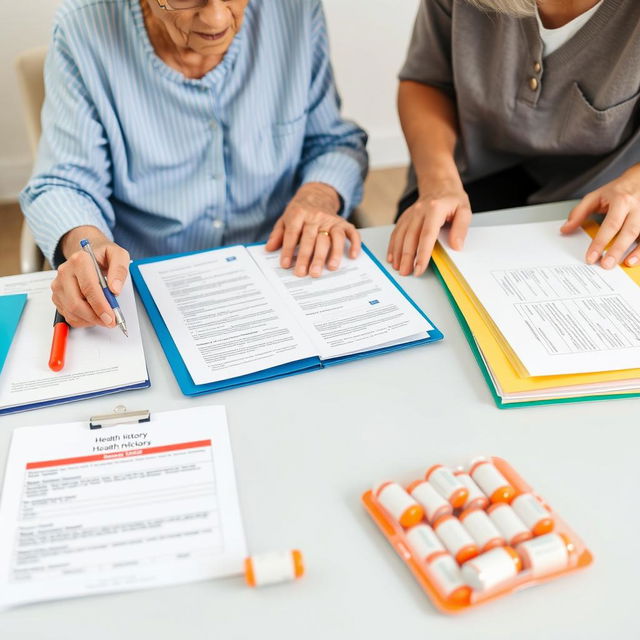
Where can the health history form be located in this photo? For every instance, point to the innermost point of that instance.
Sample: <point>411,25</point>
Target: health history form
<point>120,508</point>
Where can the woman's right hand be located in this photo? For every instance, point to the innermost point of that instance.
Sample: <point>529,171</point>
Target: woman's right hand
<point>417,229</point>
<point>76,290</point>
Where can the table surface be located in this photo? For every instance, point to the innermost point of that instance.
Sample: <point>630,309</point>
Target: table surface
<point>306,448</point>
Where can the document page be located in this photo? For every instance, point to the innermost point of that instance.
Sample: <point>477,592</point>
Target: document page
<point>223,316</point>
<point>558,314</point>
<point>348,311</point>
<point>119,508</point>
<point>97,359</point>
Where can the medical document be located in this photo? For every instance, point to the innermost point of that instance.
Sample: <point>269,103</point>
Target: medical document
<point>558,314</point>
<point>353,309</point>
<point>121,508</point>
<point>98,359</point>
<point>220,314</point>
<point>235,311</point>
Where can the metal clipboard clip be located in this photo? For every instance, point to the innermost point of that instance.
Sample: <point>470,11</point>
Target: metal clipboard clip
<point>119,416</point>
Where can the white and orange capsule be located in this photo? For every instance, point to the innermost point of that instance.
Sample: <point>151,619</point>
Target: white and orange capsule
<point>434,505</point>
<point>546,554</point>
<point>508,523</point>
<point>273,568</point>
<point>424,542</point>
<point>529,509</point>
<point>399,504</point>
<point>455,538</point>
<point>447,485</point>
<point>483,531</point>
<point>447,577</point>
<point>491,481</point>
<point>492,568</point>
<point>476,499</point>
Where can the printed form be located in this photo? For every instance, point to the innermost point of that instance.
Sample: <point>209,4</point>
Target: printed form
<point>97,359</point>
<point>558,314</point>
<point>221,314</point>
<point>354,309</point>
<point>121,508</point>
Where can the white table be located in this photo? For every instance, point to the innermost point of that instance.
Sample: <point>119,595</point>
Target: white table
<point>305,449</point>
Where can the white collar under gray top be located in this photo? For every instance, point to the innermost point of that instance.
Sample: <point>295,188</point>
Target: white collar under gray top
<point>554,38</point>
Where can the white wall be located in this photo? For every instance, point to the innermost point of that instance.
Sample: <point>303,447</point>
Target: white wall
<point>368,39</point>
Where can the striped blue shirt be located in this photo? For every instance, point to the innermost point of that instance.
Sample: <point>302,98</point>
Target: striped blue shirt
<point>162,163</point>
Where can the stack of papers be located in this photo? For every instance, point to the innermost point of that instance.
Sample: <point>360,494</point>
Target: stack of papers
<point>98,360</point>
<point>543,325</point>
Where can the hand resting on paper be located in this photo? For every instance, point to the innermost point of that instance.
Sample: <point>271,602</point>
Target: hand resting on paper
<point>311,223</point>
<point>76,291</point>
<point>619,200</point>
<point>417,229</point>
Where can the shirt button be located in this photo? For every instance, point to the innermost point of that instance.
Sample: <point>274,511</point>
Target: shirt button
<point>537,67</point>
<point>214,125</point>
<point>218,224</point>
<point>533,84</point>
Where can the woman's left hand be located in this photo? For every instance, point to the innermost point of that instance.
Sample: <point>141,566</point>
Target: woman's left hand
<point>311,223</point>
<point>619,200</point>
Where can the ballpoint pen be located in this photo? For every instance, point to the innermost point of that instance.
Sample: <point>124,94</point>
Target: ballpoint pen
<point>111,299</point>
<point>59,342</point>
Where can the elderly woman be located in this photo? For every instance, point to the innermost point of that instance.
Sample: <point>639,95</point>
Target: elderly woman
<point>178,125</point>
<point>508,102</point>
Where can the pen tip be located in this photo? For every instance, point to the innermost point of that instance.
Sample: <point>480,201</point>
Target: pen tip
<point>124,330</point>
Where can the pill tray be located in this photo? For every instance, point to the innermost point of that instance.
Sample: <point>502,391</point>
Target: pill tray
<point>394,532</point>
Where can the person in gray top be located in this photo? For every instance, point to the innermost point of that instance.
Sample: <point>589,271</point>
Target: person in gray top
<point>504,103</point>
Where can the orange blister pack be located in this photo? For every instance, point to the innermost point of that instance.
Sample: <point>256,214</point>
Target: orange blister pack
<point>474,534</point>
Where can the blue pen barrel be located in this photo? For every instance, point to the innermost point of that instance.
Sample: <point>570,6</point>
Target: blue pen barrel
<point>111,299</point>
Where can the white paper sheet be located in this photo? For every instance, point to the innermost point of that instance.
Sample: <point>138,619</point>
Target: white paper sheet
<point>120,508</point>
<point>222,315</point>
<point>348,311</point>
<point>559,315</point>
<point>97,359</point>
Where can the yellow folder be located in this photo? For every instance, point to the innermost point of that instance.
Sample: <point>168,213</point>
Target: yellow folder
<point>501,361</point>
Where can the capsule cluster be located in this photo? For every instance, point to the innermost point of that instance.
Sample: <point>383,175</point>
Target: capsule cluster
<point>472,532</point>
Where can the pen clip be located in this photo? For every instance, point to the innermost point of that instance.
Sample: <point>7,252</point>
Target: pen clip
<point>119,416</point>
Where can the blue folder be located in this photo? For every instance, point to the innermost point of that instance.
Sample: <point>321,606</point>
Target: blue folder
<point>189,388</point>
<point>11,308</point>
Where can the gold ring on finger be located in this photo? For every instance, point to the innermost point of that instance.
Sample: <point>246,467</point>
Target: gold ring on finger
<point>323,232</point>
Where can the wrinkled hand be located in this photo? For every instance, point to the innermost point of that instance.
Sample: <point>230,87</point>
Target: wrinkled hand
<point>312,224</point>
<point>620,201</point>
<point>417,230</point>
<point>76,290</point>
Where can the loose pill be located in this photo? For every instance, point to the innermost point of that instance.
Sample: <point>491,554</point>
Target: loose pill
<point>476,499</point>
<point>399,504</point>
<point>455,538</point>
<point>447,485</point>
<point>424,542</point>
<point>434,505</point>
<point>447,577</point>
<point>546,554</point>
<point>491,481</point>
<point>508,523</point>
<point>273,568</point>
<point>532,513</point>
<point>491,568</point>
<point>483,531</point>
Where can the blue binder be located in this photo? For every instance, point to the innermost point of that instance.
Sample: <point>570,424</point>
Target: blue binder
<point>189,388</point>
<point>11,307</point>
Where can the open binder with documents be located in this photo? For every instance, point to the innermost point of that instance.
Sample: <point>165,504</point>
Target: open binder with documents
<point>231,317</point>
<point>501,360</point>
